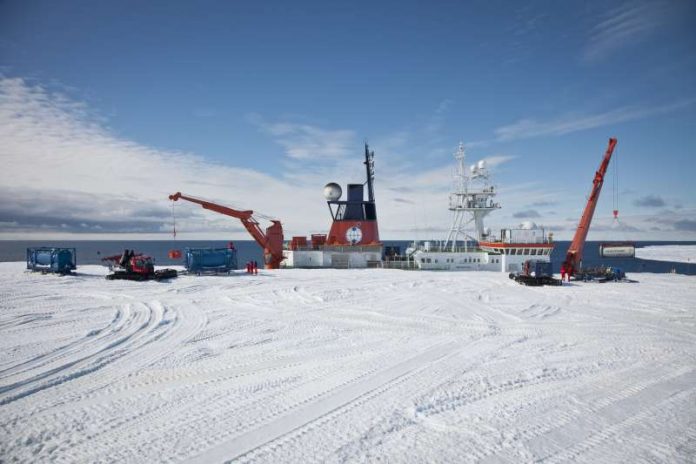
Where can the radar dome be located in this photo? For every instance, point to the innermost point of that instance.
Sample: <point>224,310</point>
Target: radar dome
<point>332,191</point>
<point>528,225</point>
<point>481,164</point>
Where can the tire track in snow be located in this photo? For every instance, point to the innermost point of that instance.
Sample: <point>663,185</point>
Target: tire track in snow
<point>94,337</point>
<point>168,381</point>
<point>161,338</point>
<point>118,364</point>
<point>197,414</point>
<point>626,413</point>
<point>251,440</point>
<point>125,328</point>
<point>134,327</point>
<point>563,424</point>
<point>392,411</point>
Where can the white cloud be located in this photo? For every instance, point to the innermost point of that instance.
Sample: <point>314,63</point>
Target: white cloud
<point>58,163</point>
<point>626,25</point>
<point>526,128</point>
<point>308,142</point>
<point>63,174</point>
<point>496,160</point>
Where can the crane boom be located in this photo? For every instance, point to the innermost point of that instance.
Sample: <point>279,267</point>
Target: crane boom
<point>573,257</point>
<point>271,241</point>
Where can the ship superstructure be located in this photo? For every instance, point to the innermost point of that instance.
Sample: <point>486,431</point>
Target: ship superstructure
<point>469,245</point>
<point>471,201</point>
<point>353,239</point>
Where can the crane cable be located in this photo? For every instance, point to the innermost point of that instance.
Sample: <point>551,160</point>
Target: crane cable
<point>616,189</point>
<point>173,222</point>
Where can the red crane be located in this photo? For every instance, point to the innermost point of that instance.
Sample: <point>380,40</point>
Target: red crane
<point>573,259</point>
<point>271,241</point>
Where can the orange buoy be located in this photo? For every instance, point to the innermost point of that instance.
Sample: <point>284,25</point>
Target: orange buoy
<point>174,254</point>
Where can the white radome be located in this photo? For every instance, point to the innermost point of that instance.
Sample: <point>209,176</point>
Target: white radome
<point>481,165</point>
<point>528,225</point>
<point>332,191</point>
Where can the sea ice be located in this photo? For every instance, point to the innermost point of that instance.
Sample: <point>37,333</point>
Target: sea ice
<point>345,365</point>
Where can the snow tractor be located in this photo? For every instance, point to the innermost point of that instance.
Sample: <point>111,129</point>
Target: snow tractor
<point>135,266</point>
<point>535,273</point>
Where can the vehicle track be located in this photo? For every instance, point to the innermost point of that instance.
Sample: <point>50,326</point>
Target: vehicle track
<point>628,412</point>
<point>376,383</point>
<point>72,363</point>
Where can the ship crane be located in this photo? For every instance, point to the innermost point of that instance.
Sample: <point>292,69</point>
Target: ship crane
<point>573,259</point>
<point>271,241</point>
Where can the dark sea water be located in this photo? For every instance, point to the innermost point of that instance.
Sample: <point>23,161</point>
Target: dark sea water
<point>91,252</point>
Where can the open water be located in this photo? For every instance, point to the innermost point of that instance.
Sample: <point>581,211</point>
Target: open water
<point>91,252</point>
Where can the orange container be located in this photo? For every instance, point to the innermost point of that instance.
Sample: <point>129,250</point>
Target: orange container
<point>174,254</point>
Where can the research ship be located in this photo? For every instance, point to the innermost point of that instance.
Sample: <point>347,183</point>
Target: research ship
<point>471,201</point>
<point>353,239</point>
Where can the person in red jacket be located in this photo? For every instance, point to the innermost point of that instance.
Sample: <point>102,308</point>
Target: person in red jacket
<point>564,273</point>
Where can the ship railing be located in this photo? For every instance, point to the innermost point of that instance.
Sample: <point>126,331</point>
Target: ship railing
<point>340,248</point>
<point>540,241</point>
<point>449,249</point>
<point>399,262</point>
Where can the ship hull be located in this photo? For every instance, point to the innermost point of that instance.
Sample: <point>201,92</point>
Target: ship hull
<point>336,257</point>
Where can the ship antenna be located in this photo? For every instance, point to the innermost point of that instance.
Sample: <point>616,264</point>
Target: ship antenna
<point>461,168</point>
<point>370,171</point>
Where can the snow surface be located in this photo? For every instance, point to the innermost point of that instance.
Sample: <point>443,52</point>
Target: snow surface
<point>672,253</point>
<point>345,366</point>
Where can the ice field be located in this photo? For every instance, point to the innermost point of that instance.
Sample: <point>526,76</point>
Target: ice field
<point>345,366</point>
<point>672,253</point>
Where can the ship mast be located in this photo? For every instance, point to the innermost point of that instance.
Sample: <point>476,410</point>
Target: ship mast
<point>370,171</point>
<point>468,203</point>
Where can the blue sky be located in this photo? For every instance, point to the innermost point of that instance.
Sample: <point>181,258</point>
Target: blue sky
<point>259,104</point>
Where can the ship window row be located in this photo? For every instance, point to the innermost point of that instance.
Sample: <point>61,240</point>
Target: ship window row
<point>525,251</point>
<point>465,260</point>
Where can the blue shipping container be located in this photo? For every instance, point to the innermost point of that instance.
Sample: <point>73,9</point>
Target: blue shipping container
<point>58,260</point>
<point>210,260</point>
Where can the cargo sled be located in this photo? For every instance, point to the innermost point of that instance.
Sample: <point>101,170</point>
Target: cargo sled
<point>53,260</point>
<point>210,260</point>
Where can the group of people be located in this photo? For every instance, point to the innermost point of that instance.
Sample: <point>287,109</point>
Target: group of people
<point>252,267</point>
<point>564,273</point>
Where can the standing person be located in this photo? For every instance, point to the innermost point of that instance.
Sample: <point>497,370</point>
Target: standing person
<point>563,273</point>
<point>256,268</point>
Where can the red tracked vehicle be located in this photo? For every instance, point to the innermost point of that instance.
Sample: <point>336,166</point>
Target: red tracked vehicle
<point>135,266</point>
